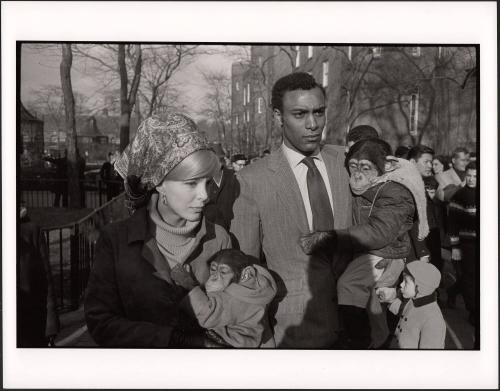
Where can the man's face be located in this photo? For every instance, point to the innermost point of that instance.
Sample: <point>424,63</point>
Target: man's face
<point>302,119</point>
<point>238,165</point>
<point>424,164</point>
<point>431,193</point>
<point>470,178</point>
<point>460,161</point>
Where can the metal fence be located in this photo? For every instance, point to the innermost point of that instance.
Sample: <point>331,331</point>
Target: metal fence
<point>72,248</point>
<point>41,192</point>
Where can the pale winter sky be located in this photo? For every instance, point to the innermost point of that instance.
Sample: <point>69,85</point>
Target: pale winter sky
<point>42,68</point>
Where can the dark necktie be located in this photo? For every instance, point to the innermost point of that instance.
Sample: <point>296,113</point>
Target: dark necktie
<point>318,198</point>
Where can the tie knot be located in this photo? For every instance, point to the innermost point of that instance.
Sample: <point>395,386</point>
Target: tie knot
<point>309,162</point>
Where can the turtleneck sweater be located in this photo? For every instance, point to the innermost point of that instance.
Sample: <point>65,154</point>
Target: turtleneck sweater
<point>175,243</point>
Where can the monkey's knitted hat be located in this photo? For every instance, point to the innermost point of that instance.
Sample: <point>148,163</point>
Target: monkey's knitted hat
<point>162,141</point>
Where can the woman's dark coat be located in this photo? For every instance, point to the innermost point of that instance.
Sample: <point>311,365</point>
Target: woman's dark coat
<point>131,300</point>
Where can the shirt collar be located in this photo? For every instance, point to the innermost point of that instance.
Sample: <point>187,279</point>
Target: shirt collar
<point>294,158</point>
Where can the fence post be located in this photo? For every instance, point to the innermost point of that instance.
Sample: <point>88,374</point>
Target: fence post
<point>99,190</point>
<point>74,272</point>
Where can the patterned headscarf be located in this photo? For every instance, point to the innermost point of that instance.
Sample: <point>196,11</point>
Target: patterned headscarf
<point>162,141</point>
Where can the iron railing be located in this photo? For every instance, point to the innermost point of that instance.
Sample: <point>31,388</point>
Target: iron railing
<point>71,251</point>
<point>42,192</point>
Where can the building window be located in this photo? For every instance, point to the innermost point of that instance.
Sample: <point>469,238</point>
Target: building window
<point>248,115</point>
<point>440,51</point>
<point>259,61</point>
<point>244,96</point>
<point>377,51</point>
<point>236,118</point>
<point>260,103</point>
<point>415,51</point>
<point>309,51</point>
<point>349,53</point>
<point>297,56</point>
<point>248,93</point>
<point>325,74</point>
<point>237,86</point>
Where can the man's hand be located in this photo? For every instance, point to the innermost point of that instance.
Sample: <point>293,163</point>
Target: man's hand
<point>182,276</point>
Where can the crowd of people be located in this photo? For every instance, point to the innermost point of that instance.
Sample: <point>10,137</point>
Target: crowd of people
<point>310,246</point>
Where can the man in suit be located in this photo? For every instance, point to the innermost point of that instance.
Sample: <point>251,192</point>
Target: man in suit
<point>222,191</point>
<point>283,196</point>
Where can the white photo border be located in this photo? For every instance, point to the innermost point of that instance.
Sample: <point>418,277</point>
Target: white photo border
<point>246,22</point>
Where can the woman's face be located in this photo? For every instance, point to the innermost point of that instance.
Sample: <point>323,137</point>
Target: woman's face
<point>184,200</point>
<point>437,166</point>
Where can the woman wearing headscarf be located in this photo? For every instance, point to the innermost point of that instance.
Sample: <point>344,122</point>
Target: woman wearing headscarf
<point>145,265</point>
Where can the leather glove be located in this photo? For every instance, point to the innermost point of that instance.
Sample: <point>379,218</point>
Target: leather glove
<point>182,276</point>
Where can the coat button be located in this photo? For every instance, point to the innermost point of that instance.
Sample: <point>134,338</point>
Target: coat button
<point>406,319</point>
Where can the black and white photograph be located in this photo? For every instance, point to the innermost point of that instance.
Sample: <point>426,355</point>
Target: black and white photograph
<point>306,206</point>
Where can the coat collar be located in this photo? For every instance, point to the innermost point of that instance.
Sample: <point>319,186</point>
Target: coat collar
<point>137,226</point>
<point>421,301</point>
<point>139,229</point>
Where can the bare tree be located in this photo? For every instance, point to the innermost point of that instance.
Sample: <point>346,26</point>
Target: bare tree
<point>71,138</point>
<point>160,62</point>
<point>122,63</point>
<point>218,102</point>
<point>128,97</point>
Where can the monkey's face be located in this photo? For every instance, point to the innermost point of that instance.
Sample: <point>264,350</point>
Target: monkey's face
<point>221,275</point>
<point>362,174</point>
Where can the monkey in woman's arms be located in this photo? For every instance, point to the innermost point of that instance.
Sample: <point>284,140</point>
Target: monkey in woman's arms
<point>386,193</point>
<point>234,301</point>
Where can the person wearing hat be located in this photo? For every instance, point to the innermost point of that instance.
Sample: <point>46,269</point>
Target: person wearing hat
<point>421,324</point>
<point>146,264</point>
<point>239,161</point>
<point>222,192</point>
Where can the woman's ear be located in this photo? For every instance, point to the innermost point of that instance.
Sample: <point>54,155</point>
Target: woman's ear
<point>247,273</point>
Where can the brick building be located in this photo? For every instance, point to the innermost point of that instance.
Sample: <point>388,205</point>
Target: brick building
<point>31,143</point>
<point>411,94</point>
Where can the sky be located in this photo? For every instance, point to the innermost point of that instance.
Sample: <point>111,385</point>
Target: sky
<point>39,68</point>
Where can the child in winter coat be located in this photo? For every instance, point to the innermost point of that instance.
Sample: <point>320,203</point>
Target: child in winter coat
<point>421,324</point>
<point>233,303</point>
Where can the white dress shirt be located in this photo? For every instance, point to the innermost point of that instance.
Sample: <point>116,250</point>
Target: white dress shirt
<point>300,171</point>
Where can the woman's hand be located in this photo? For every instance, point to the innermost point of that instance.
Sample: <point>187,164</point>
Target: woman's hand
<point>182,276</point>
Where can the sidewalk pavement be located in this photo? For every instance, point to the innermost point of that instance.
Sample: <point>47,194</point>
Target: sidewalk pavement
<point>74,331</point>
<point>459,334</point>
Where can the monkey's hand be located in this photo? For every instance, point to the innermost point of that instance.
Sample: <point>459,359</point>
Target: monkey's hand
<point>315,241</point>
<point>182,276</point>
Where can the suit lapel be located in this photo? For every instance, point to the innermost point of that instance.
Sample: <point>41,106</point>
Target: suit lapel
<point>288,189</point>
